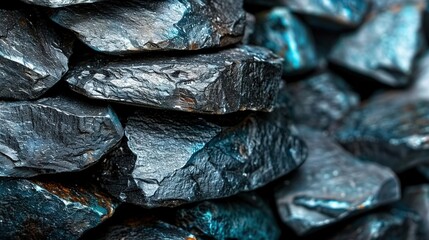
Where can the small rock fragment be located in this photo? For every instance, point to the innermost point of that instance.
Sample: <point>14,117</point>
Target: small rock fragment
<point>321,101</point>
<point>33,55</point>
<point>58,3</point>
<point>236,79</point>
<point>54,135</point>
<point>284,34</point>
<point>331,186</point>
<point>119,27</point>
<point>49,210</point>
<point>388,60</point>
<point>243,217</point>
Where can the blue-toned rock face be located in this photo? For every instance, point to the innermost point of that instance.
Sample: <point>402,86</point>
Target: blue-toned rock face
<point>135,26</point>
<point>331,186</point>
<point>321,101</point>
<point>59,3</point>
<point>385,47</point>
<point>391,129</point>
<point>417,199</point>
<point>33,55</point>
<point>225,81</point>
<point>54,135</point>
<point>283,33</point>
<point>49,210</point>
<point>242,217</point>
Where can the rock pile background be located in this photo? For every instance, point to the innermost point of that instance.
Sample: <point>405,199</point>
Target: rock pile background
<point>214,119</point>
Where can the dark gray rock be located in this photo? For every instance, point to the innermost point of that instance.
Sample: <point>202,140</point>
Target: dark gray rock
<point>417,199</point>
<point>343,13</point>
<point>54,135</point>
<point>33,56</point>
<point>283,33</point>
<point>394,224</point>
<point>244,78</point>
<point>119,27</point>
<point>388,60</point>
<point>250,27</point>
<point>243,217</point>
<point>321,101</point>
<point>175,158</point>
<point>331,186</point>
<point>391,129</point>
<point>59,3</point>
<point>49,210</point>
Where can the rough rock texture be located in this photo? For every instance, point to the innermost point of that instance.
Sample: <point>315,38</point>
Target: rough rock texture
<point>54,135</point>
<point>119,27</point>
<point>33,56</point>
<point>391,129</point>
<point>243,217</point>
<point>383,5</point>
<point>244,78</point>
<point>284,34</point>
<point>59,3</point>
<point>321,101</point>
<point>171,159</point>
<point>417,198</point>
<point>332,185</point>
<point>48,210</point>
<point>395,224</point>
<point>388,60</point>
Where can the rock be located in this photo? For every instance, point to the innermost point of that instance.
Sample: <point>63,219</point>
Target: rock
<point>395,224</point>
<point>175,158</point>
<point>384,5</point>
<point>326,14</point>
<point>119,27</point>
<point>154,230</point>
<point>284,34</point>
<point>332,185</point>
<point>243,217</point>
<point>326,96</point>
<point>33,55</point>
<point>50,210</point>
<point>417,199</point>
<point>391,129</point>
<point>59,3</point>
<point>250,28</point>
<point>388,60</point>
<point>54,135</point>
<point>236,79</point>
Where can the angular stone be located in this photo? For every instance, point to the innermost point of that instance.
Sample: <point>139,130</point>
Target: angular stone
<point>54,135</point>
<point>343,13</point>
<point>236,79</point>
<point>388,60</point>
<point>59,3</point>
<point>243,217</point>
<point>283,33</point>
<point>33,55</point>
<point>119,27</point>
<point>331,186</point>
<point>321,101</point>
<point>395,224</point>
<point>391,129</point>
<point>155,230</point>
<point>417,199</point>
<point>174,158</point>
<point>48,210</point>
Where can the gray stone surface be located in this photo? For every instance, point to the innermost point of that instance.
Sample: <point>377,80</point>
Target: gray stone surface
<point>417,199</point>
<point>119,27</point>
<point>59,3</point>
<point>243,217</point>
<point>236,79</point>
<point>283,33</point>
<point>175,158</point>
<point>54,135</point>
<point>332,185</point>
<point>33,56</point>
<point>388,60</point>
<point>391,129</point>
<point>48,210</point>
<point>321,100</point>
